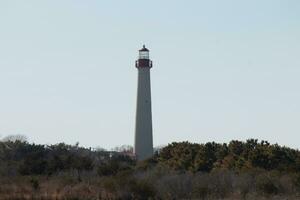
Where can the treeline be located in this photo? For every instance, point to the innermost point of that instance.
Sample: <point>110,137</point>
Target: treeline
<point>237,156</point>
<point>22,158</point>
<point>182,170</point>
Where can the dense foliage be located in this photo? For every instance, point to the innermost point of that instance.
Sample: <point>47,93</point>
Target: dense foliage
<point>248,169</point>
<point>236,156</point>
<point>22,158</point>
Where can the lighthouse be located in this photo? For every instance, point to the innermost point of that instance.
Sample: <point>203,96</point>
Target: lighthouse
<point>143,142</point>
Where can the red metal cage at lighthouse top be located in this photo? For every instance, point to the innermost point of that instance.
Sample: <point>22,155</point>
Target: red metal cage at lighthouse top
<point>144,59</point>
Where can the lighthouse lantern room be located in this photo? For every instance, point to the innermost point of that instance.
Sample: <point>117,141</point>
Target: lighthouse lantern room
<point>143,59</point>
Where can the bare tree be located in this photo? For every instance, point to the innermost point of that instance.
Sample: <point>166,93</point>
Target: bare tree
<point>14,138</point>
<point>123,148</point>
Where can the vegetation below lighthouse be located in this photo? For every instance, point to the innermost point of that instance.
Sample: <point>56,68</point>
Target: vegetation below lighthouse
<point>237,170</point>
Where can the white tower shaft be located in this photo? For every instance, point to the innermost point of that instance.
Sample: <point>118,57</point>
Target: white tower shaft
<point>143,144</point>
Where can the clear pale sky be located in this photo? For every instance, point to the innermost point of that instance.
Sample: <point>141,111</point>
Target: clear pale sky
<point>222,70</point>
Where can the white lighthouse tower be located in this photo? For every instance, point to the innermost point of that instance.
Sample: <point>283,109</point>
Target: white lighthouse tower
<point>143,142</point>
